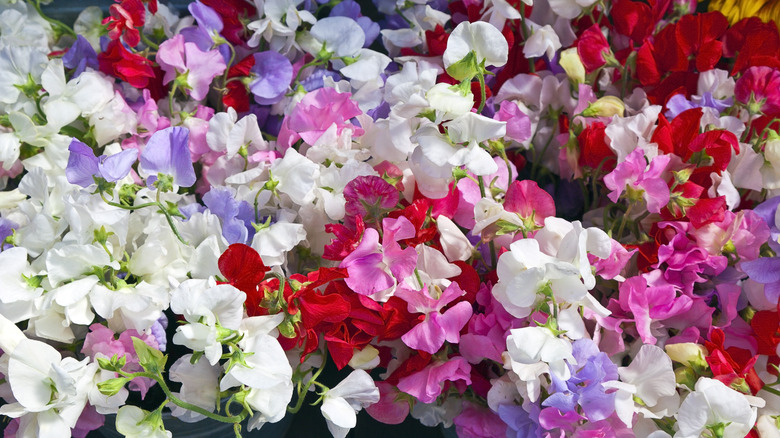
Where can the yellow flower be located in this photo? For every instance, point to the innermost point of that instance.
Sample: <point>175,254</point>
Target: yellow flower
<point>735,10</point>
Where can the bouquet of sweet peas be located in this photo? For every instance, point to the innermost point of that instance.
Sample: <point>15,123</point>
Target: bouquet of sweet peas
<point>520,218</point>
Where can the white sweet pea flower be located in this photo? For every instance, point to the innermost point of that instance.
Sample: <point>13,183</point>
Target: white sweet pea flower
<point>114,119</point>
<point>533,351</point>
<point>10,145</point>
<point>199,386</point>
<point>570,9</point>
<point>48,391</point>
<point>296,175</point>
<point>281,19</point>
<point>266,370</point>
<point>524,270</point>
<point>714,405</point>
<point>206,306</point>
<point>342,402</point>
<point>368,67</point>
<point>543,41</point>
<point>342,36</point>
<point>454,243</point>
<point>130,423</point>
<point>273,242</point>
<point>449,102</point>
<point>73,261</point>
<point>19,298</point>
<point>227,134</point>
<point>473,129</point>
<point>83,95</point>
<point>16,63</point>
<point>487,43</point>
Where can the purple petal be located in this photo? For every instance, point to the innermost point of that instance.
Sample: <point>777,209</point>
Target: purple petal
<point>206,17</point>
<point>80,56</point>
<point>166,152</point>
<point>763,270</point>
<point>117,166</point>
<point>82,164</point>
<point>221,203</point>
<point>273,73</point>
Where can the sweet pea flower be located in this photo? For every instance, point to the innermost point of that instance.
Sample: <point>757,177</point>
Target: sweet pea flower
<point>80,56</point>
<point>315,113</point>
<point>438,326</point>
<point>84,166</point>
<point>342,402</point>
<point>427,384</point>
<point>167,153</point>
<point>483,39</point>
<point>189,66</point>
<point>340,36</point>
<point>273,73</point>
<point>714,405</point>
<point>759,89</point>
<point>638,176</point>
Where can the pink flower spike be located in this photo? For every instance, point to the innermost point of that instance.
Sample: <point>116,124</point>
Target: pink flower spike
<point>528,200</point>
<point>635,173</point>
<point>185,60</point>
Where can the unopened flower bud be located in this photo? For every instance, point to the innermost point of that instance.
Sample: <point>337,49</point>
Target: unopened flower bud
<point>606,106</point>
<point>572,64</point>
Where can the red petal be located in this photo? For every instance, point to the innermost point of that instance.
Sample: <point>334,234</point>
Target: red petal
<point>242,266</point>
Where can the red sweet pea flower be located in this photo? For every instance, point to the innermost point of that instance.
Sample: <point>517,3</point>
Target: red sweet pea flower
<point>593,49</point>
<point>754,43</point>
<point>733,363</point>
<point>417,213</point>
<point>125,18</point>
<point>129,67</point>
<point>231,12</point>
<point>632,19</point>
<point>237,94</point>
<point>243,268</point>
<point>594,150</point>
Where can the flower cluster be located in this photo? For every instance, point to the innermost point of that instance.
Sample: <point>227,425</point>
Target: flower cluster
<point>537,218</point>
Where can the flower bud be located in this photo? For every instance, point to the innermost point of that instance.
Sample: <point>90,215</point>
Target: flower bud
<point>606,106</point>
<point>572,64</point>
<point>688,354</point>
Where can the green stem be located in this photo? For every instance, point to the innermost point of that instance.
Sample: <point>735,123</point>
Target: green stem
<point>149,42</point>
<point>482,93</point>
<point>771,390</point>
<point>623,221</point>
<point>170,98</point>
<point>492,245</point>
<point>302,391</point>
<point>127,207</point>
<point>55,23</point>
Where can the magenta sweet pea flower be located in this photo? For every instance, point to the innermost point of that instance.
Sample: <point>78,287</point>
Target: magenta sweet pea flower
<point>185,62</point>
<point>438,326</point>
<point>759,89</point>
<point>635,173</point>
<point>529,201</point>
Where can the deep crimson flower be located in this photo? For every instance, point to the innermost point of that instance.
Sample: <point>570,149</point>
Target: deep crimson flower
<point>594,150</point>
<point>632,19</point>
<point>237,95</point>
<point>417,213</point>
<point>126,17</point>
<point>436,40</point>
<point>345,241</point>
<point>127,66</point>
<point>766,327</point>
<point>754,43</point>
<point>231,12</point>
<point>706,211</point>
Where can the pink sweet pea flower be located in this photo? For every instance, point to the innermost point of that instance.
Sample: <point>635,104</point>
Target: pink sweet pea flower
<point>518,124</point>
<point>195,67</point>
<point>427,384</point>
<point>635,173</point>
<point>759,89</point>
<point>529,201</point>
<point>438,326</point>
<point>317,112</point>
<point>388,409</point>
<point>475,421</point>
<point>650,304</point>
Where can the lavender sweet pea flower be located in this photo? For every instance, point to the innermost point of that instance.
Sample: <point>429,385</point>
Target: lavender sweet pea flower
<point>80,56</point>
<point>273,74</point>
<point>84,166</point>
<point>166,153</point>
<point>351,9</point>
<point>7,228</point>
<point>221,203</point>
<point>207,33</point>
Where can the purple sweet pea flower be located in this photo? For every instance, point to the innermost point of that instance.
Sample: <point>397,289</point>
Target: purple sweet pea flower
<point>84,166</point>
<point>207,33</point>
<point>678,103</point>
<point>7,228</point>
<point>80,56</point>
<point>585,388</point>
<point>221,203</point>
<point>273,73</point>
<point>521,424</point>
<point>166,152</point>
